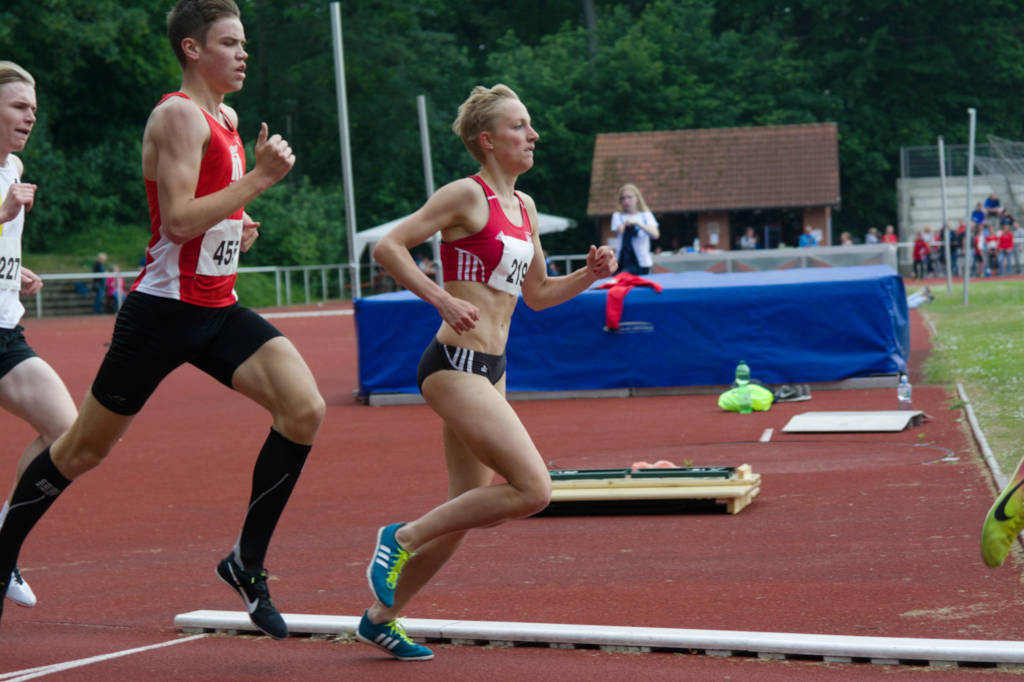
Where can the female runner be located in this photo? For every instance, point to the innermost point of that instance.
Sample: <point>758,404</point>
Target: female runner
<point>490,253</point>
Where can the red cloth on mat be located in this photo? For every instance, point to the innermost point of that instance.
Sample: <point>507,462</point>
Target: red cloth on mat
<point>618,286</point>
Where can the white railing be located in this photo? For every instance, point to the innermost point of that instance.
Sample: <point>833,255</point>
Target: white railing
<point>774,259</point>
<point>283,275</point>
<point>765,259</point>
<point>761,259</point>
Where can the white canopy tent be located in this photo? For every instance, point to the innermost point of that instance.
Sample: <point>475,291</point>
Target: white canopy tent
<point>364,238</point>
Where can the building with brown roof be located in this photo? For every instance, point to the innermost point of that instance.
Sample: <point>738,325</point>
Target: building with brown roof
<point>714,183</point>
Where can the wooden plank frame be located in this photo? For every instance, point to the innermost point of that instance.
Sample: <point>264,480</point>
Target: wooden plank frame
<point>737,491</point>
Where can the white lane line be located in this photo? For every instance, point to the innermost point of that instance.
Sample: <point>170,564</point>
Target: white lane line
<point>32,673</point>
<point>767,435</point>
<point>309,313</point>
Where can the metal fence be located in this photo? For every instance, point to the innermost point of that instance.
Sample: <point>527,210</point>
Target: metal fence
<point>923,162</point>
<point>283,281</point>
<point>294,284</point>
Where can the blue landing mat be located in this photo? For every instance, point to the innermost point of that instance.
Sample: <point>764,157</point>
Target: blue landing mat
<point>791,326</point>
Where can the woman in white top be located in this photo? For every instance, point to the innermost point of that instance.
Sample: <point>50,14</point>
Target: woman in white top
<point>29,388</point>
<point>636,227</point>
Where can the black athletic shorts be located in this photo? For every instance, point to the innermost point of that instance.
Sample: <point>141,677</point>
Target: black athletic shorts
<point>438,357</point>
<point>13,349</point>
<point>154,335</point>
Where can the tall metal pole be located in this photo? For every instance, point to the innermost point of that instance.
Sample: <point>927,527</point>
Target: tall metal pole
<point>428,166</point>
<point>346,152</point>
<point>972,116</point>
<point>590,19</point>
<point>428,178</point>
<point>946,235</point>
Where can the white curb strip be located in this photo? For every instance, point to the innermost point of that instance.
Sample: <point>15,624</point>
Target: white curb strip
<point>834,648</point>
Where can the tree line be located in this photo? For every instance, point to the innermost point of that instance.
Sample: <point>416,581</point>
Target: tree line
<point>889,74</point>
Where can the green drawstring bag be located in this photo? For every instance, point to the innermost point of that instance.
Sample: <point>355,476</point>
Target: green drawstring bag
<point>760,399</point>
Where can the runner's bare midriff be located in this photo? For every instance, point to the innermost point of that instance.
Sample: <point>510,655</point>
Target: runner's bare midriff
<point>491,331</point>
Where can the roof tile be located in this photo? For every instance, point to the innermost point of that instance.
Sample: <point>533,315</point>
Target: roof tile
<point>718,168</point>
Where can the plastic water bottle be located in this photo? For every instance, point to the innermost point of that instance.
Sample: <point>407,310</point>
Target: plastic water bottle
<point>743,386</point>
<point>904,393</point>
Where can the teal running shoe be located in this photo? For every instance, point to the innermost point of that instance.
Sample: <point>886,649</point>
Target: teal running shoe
<point>389,558</point>
<point>390,638</point>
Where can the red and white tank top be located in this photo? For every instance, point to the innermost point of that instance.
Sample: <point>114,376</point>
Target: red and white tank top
<point>498,255</point>
<point>202,271</point>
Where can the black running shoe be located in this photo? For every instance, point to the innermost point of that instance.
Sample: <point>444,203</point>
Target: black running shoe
<point>253,589</point>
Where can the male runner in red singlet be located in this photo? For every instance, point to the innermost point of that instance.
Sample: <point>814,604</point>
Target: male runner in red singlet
<point>183,308</point>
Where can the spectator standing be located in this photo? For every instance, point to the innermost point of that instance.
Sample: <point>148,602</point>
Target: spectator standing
<point>872,236</point>
<point>807,238</point>
<point>956,246</point>
<point>1006,253</point>
<point>749,239</point>
<point>978,214</point>
<point>98,288</point>
<point>992,207</point>
<point>425,264</point>
<point>550,266</point>
<point>991,249</point>
<point>1018,246</point>
<point>1009,224</point>
<point>115,290</point>
<point>636,227</point>
<point>890,236</point>
<point>978,250</point>
<point>938,250</point>
<point>929,239</point>
<point>921,251</point>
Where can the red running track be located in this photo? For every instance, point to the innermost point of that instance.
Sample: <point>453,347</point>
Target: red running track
<point>865,534</point>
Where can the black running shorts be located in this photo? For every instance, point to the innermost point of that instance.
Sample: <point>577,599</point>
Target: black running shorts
<point>439,357</point>
<point>154,335</point>
<point>13,349</point>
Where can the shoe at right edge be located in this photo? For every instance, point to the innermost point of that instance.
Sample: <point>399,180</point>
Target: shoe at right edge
<point>390,638</point>
<point>18,590</point>
<point>1004,522</point>
<point>253,589</point>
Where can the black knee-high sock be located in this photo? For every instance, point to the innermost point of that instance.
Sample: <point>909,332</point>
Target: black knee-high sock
<point>273,479</point>
<point>38,487</point>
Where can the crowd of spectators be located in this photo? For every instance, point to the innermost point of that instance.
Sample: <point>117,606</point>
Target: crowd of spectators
<point>995,239</point>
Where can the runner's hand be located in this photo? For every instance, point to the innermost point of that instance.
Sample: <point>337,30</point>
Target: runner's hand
<point>274,157</point>
<point>459,314</point>
<point>250,231</point>
<point>31,283</point>
<point>20,194</point>
<point>601,261</point>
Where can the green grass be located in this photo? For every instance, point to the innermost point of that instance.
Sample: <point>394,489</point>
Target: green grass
<point>981,346</point>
